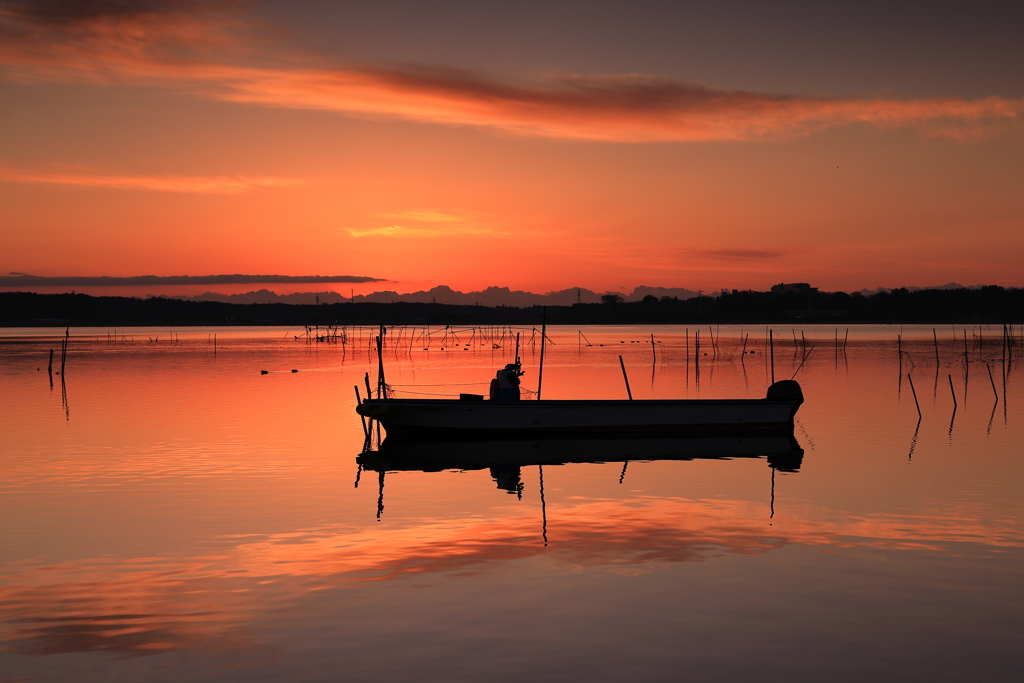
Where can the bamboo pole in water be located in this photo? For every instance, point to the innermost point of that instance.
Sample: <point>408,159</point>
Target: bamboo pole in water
<point>899,350</point>
<point>543,338</point>
<point>696,355</point>
<point>381,391</point>
<point>626,378</point>
<point>992,381</point>
<point>64,350</point>
<point>362,418</point>
<point>914,391</point>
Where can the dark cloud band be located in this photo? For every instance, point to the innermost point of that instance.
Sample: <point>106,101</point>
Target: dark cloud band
<point>151,280</point>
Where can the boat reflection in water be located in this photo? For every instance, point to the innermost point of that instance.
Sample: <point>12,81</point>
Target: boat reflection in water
<point>506,458</point>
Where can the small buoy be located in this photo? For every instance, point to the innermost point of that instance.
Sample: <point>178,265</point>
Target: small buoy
<point>294,370</point>
<point>264,372</point>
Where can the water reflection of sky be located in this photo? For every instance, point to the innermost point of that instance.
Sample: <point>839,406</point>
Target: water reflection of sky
<point>185,516</point>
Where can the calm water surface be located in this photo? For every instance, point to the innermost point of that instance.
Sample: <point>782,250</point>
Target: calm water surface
<point>170,513</point>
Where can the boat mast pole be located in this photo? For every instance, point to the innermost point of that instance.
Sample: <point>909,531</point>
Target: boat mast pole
<point>543,337</point>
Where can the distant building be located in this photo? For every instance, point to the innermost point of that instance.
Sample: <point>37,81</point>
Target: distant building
<point>795,287</point>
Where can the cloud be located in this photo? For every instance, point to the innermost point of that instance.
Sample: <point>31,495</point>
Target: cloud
<point>434,224</point>
<point>622,108</point>
<point>183,184</point>
<point>737,254</point>
<point>404,231</point>
<point>150,280</point>
<point>429,216</point>
<point>60,12</point>
<point>212,52</point>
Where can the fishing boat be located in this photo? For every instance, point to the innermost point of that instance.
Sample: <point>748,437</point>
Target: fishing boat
<point>502,415</point>
<point>472,417</point>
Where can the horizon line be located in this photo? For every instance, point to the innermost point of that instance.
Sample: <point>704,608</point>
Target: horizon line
<point>15,279</point>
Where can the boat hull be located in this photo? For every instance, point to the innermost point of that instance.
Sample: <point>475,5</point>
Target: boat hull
<point>445,420</point>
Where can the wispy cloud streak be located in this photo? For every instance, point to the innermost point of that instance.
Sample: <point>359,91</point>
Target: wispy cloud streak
<point>212,53</point>
<point>22,280</point>
<point>183,184</point>
<point>425,223</point>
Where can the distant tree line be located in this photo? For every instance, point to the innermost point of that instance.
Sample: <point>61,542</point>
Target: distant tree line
<point>987,304</point>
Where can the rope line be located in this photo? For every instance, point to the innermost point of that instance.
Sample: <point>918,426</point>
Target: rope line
<point>456,384</point>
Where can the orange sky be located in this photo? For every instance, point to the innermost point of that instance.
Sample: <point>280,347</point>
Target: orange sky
<point>536,151</point>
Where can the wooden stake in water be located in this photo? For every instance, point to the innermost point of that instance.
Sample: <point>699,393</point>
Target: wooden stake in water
<point>543,337</point>
<point>359,400</point>
<point>654,351</point>
<point>899,350</point>
<point>952,393</point>
<point>771,351</point>
<point>696,357</point>
<point>1002,344</point>
<point>625,377</point>
<point>994,392</point>
<point>64,350</point>
<point>914,391</point>
<point>807,355</point>
<point>381,384</point>
<point>936,338</point>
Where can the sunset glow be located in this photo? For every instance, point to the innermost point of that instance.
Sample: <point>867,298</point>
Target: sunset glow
<point>198,138</point>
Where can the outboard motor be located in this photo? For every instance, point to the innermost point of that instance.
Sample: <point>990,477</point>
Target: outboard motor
<point>505,387</point>
<point>786,390</point>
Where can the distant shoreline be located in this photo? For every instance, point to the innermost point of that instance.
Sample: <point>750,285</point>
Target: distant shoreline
<point>964,306</point>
